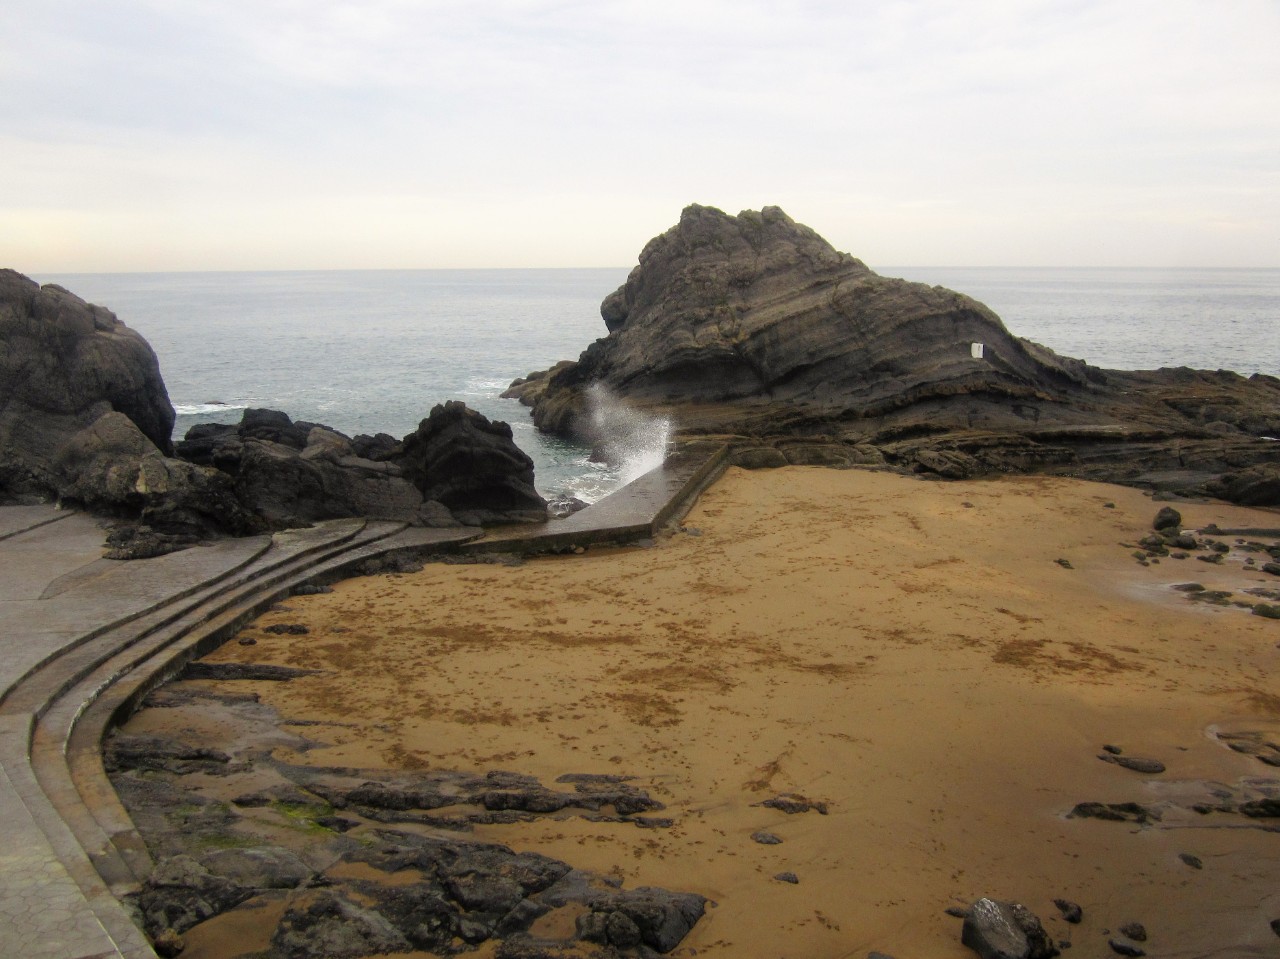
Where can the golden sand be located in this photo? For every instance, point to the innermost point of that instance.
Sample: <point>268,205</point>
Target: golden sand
<point>909,653</point>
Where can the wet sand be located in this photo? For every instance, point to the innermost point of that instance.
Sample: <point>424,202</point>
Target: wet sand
<point>908,653</point>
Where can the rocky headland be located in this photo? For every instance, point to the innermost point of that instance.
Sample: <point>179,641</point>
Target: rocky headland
<point>755,329</point>
<point>85,419</point>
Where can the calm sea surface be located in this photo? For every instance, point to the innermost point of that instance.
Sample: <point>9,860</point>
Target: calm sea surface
<point>372,351</point>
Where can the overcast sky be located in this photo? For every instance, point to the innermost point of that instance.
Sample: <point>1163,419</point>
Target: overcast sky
<point>311,134</point>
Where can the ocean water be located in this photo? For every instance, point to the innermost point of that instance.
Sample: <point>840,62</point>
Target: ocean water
<point>373,351</point>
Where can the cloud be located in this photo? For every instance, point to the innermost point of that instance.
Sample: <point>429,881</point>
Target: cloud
<point>930,131</point>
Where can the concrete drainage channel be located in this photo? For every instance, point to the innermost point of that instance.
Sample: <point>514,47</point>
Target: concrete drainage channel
<point>74,839</point>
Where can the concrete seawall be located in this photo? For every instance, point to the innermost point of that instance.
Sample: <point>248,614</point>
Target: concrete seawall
<point>85,639</point>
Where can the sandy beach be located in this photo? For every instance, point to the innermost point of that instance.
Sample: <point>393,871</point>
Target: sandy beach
<point>911,656</point>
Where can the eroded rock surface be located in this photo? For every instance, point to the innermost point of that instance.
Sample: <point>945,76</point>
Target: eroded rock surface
<point>756,328</point>
<point>234,827</point>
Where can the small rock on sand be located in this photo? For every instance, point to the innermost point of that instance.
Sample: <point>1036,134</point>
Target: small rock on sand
<point>1137,764</point>
<point>1071,911</point>
<point>1123,947</point>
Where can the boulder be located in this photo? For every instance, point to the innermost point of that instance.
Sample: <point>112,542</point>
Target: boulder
<point>85,417</point>
<point>327,925</point>
<point>471,465</point>
<point>1168,520</point>
<point>1005,930</point>
<point>655,917</point>
<point>64,363</point>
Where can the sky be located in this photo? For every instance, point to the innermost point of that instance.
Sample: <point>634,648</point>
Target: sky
<point>141,135</point>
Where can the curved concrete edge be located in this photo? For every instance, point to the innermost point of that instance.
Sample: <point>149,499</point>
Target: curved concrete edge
<point>72,752</point>
<point>637,511</point>
<point>77,900</point>
<point>111,838</point>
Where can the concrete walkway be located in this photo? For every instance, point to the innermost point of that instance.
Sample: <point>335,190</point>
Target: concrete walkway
<point>84,639</point>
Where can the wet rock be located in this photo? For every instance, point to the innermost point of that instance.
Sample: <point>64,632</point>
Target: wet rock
<point>1135,931</point>
<point>329,926</point>
<point>765,838</point>
<point>263,867</point>
<point>420,913</point>
<point>181,893</point>
<point>1195,862</point>
<point>1071,912</point>
<point>1261,808</point>
<point>168,944</point>
<point>157,753</point>
<point>1137,764</point>
<point>791,804</point>
<point>1005,930</point>
<point>1125,947</point>
<point>1167,518</point>
<point>1275,926</point>
<point>662,918</point>
<point>247,671</point>
<point>1113,812</point>
<point>1267,611</point>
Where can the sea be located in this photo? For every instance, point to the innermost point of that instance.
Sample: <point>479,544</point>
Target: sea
<point>371,351</point>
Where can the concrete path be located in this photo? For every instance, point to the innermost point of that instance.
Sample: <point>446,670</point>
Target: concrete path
<point>82,639</point>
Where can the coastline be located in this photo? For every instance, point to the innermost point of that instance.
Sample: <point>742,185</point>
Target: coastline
<point>910,654</point>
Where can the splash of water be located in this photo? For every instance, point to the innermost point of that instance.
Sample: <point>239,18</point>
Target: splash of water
<point>632,442</point>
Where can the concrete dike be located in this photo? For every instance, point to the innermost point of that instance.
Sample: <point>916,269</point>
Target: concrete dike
<point>85,639</point>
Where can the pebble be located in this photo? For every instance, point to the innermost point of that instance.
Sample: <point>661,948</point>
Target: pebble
<point>1195,862</point>
<point>1071,912</point>
<point>1124,947</point>
<point>790,877</point>
<point>1135,931</point>
<point>765,838</point>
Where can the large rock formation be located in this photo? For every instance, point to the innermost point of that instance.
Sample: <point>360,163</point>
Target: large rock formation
<point>63,364</point>
<point>755,327</point>
<point>456,468</point>
<point>85,418</point>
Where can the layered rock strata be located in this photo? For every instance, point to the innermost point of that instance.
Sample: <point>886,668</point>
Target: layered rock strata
<point>756,328</point>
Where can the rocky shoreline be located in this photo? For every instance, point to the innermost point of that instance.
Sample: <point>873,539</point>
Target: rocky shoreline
<point>753,329</point>
<point>233,826</point>
<point>750,330</point>
<point>227,771</point>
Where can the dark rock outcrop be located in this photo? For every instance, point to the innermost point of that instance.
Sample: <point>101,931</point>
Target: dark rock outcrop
<point>472,466</point>
<point>294,474</point>
<point>85,417</point>
<point>1005,930</point>
<point>755,328</point>
<point>457,467</point>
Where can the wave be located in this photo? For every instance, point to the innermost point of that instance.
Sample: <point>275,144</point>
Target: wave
<point>204,409</point>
